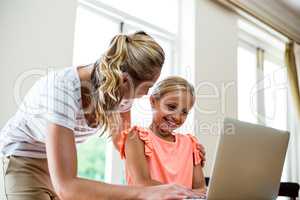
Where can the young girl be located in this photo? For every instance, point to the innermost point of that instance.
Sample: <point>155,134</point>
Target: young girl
<point>157,154</point>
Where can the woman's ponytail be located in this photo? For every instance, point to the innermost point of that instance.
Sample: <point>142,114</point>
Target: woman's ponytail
<point>138,55</point>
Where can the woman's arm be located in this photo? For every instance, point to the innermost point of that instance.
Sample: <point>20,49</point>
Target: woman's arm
<point>62,161</point>
<point>136,161</point>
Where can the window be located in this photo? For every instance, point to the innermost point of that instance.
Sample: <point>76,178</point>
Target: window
<point>97,22</point>
<point>91,158</point>
<point>93,32</point>
<point>276,95</point>
<point>262,78</point>
<point>246,81</point>
<point>262,86</point>
<point>91,39</point>
<point>153,12</point>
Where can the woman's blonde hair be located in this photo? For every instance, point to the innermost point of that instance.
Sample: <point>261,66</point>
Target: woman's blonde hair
<point>172,84</point>
<point>138,55</point>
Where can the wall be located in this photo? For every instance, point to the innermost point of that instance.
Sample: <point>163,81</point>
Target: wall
<point>34,34</point>
<point>215,72</point>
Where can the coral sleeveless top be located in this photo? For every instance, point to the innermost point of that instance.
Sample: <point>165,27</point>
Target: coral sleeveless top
<point>168,162</point>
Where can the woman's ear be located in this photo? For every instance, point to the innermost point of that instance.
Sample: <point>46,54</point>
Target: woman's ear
<point>126,83</point>
<point>152,101</point>
<point>125,86</point>
<point>125,78</point>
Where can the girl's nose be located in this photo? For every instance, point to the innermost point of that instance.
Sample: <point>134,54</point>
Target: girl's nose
<point>176,118</point>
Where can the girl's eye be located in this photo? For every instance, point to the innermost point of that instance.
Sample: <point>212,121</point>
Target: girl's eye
<point>185,111</point>
<point>171,107</point>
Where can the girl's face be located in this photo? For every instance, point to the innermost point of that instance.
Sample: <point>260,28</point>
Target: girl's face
<point>171,110</point>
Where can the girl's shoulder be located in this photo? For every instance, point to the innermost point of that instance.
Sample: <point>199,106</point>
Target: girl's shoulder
<point>135,133</point>
<point>195,146</point>
<point>187,136</point>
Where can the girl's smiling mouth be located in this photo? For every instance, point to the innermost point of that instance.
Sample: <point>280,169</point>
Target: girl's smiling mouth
<point>171,123</point>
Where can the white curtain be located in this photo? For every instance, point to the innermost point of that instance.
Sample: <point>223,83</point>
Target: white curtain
<point>293,156</point>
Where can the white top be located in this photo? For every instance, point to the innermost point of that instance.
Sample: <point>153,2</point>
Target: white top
<point>55,98</point>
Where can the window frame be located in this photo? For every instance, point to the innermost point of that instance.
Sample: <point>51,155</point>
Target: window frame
<point>113,164</point>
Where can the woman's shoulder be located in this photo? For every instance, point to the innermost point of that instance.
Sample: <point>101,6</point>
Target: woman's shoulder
<point>68,77</point>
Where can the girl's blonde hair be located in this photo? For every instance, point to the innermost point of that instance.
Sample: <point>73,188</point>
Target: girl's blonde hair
<point>172,84</point>
<point>138,55</point>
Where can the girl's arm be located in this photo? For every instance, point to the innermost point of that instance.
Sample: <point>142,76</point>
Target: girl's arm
<point>199,180</point>
<point>62,161</point>
<point>136,161</point>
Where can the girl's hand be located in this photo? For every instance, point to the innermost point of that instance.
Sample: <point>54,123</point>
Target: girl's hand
<point>167,192</point>
<point>201,148</point>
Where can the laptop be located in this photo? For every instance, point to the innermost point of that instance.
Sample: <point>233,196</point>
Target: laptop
<point>248,163</point>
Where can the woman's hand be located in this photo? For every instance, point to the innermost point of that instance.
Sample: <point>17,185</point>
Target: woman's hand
<point>201,148</point>
<point>168,192</point>
<point>202,192</point>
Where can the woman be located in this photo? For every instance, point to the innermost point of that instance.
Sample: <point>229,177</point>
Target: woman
<point>64,108</point>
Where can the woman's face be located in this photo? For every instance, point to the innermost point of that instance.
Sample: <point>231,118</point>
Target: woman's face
<point>137,90</point>
<point>132,91</point>
<point>171,110</point>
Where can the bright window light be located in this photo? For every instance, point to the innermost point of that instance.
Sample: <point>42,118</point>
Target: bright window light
<point>153,11</point>
<point>93,32</point>
<point>246,83</point>
<point>276,95</point>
